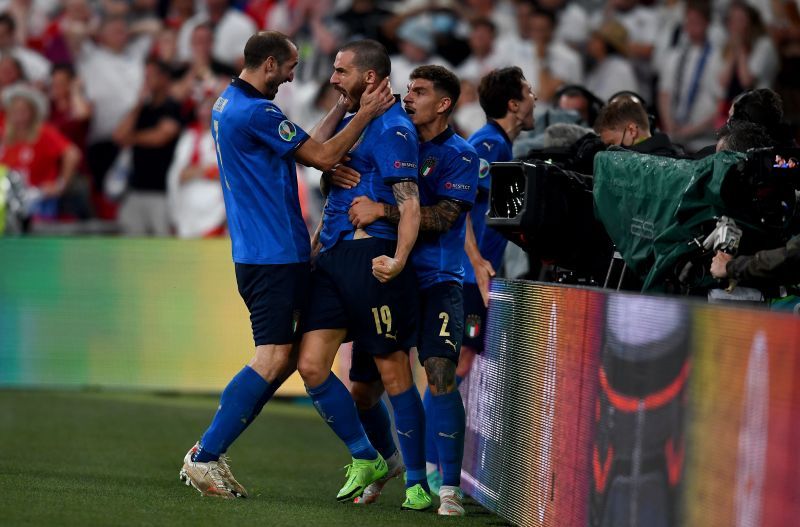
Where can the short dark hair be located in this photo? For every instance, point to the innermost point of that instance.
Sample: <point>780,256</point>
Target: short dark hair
<point>741,136</point>
<point>8,20</point>
<point>160,65</point>
<point>702,7</point>
<point>444,81</point>
<point>546,13</point>
<point>370,54</point>
<point>485,22</point>
<point>265,44</point>
<point>761,106</point>
<point>497,88</point>
<point>621,112</point>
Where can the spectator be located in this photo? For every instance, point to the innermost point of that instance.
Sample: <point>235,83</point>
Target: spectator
<point>70,111</point>
<point>612,72</point>
<point>202,73</point>
<point>194,194</point>
<point>484,57</point>
<point>75,22</point>
<point>555,63</point>
<point>232,28</point>
<point>364,19</point>
<point>178,12</point>
<point>689,90</point>
<point>750,60</point>
<point>641,23</point>
<point>572,21</point>
<point>112,72</point>
<point>151,129</point>
<point>417,48</point>
<point>35,66</point>
<point>10,72</point>
<point>625,123</point>
<point>35,149</point>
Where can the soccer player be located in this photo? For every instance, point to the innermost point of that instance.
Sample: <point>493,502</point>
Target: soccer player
<point>256,151</point>
<point>361,288</point>
<point>448,179</point>
<point>508,101</point>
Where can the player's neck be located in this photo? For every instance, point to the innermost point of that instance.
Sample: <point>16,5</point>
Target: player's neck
<point>254,79</point>
<point>428,131</point>
<point>510,125</point>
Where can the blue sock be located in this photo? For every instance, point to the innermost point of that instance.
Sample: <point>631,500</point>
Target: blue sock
<point>378,427</point>
<point>409,419</point>
<point>265,397</point>
<point>431,454</point>
<point>236,410</point>
<point>336,406</point>
<point>449,423</point>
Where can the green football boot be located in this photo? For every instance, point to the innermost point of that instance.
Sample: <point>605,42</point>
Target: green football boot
<point>360,473</point>
<point>417,499</point>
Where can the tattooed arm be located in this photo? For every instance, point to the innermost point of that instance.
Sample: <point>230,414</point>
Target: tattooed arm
<point>406,194</point>
<point>436,218</point>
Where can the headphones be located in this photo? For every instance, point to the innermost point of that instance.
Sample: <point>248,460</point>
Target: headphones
<point>595,103</point>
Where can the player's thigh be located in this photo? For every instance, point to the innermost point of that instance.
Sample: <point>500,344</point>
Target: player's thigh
<point>382,315</point>
<point>326,307</point>
<point>277,298</point>
<point>441,325</point>
<point>362,364</point>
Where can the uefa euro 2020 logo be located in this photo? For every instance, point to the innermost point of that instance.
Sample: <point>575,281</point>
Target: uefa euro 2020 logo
<point>286,130</point>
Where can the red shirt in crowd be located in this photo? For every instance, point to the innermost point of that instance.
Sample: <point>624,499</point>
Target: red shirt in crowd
<point>39,161</point>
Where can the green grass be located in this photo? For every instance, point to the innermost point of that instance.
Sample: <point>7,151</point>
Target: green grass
<point>100,458</point>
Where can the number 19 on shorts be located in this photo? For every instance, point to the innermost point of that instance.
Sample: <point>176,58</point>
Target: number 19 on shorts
<point>383,319</point>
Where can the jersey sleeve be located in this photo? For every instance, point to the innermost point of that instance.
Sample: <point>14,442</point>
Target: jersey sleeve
<point>460,181</point>
<point>488,151</point>
<point>275,130</point>
<point>396,154</point>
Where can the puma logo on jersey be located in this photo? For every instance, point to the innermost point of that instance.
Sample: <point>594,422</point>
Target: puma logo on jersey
<point>451,343</point>
<point>403,135</point>
<point>390,336</point>
<point>405,434</point>
<point>467,159</point>
<point>448,436</point>
<point>487,145</point>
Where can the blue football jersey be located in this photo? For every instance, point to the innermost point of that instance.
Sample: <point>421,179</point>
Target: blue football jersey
<point>255,153</point>
<point>448,170</point>
<point>386,153</point>
<point>492,145</point>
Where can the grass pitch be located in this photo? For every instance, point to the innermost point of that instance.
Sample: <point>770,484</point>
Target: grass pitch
<point>104,458</point>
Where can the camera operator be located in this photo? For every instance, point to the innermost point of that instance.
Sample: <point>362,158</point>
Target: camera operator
<point>624,123</point>
<point>773,267</point>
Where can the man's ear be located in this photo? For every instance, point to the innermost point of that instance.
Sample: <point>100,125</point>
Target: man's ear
<point>370,77</point>
<point>513,105</point>
<point>444,104</point>
<point>270,65</point>
<point>633,130</point>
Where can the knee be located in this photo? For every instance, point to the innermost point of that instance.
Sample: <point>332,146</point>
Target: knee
<point>312,371</point>
<point>441,374</point>
<point>272,362</point>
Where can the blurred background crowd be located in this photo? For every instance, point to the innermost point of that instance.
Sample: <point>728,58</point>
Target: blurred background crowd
<point>106,103</point>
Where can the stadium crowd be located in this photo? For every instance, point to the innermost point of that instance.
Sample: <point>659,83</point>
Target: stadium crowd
<point>105,103</point>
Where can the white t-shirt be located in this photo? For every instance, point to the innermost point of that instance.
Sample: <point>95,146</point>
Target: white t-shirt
<point>613,75</point>
<point>196,206</point>
<point>113,82</point>
<point>709,92</point>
